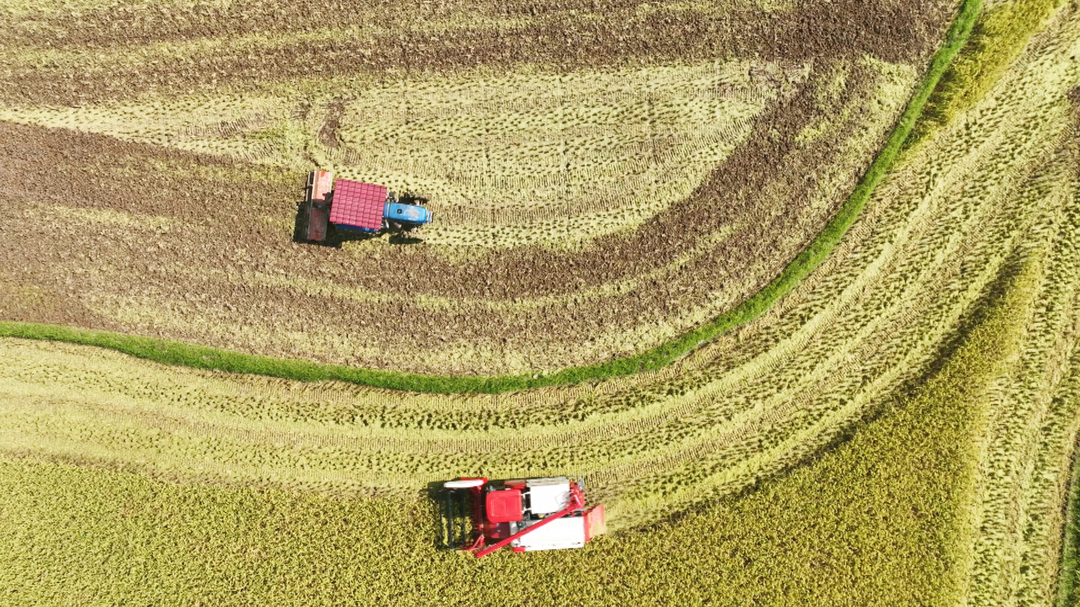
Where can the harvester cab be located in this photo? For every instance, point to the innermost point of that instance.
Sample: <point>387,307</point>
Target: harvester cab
<point>527,515</point>
<point>356,206</point>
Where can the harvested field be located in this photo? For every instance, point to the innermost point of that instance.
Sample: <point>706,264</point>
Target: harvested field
<point>885,500</point>
<point>890,502</point>
<point>591,204</point>
<point>899,429</point>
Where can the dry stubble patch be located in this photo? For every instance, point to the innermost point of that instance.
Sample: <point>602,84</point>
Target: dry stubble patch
<point>555,308</point>
<point>505,159</point>
<point>165,49</point>
<point>193,45</point>
<point>1000,183</point>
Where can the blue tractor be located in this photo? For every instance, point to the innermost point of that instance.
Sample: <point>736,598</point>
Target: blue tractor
<point>356,206</point>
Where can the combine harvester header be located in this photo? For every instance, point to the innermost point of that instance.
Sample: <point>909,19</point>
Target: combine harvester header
<point>527,515</point>
<point>352,205</point>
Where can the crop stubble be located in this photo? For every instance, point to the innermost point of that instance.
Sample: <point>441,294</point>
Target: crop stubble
<point>391,38</point>
<point>622,294</point>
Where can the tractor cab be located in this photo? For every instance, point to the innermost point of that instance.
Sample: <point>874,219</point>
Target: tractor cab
<point>400,216</point>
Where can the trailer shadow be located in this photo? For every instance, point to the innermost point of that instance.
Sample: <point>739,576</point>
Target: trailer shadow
<point>334,237</point>
<point>299,224</point>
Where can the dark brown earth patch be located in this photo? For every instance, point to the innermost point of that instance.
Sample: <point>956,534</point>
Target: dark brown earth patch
<point>28,303</point>
<point>328,131</point>
<point>219,237</point>
<point>611,37</point>
<point>561,23</point>
<point>225,218</point>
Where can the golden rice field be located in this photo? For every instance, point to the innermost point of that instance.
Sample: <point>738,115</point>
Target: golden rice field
<point>898,430</point>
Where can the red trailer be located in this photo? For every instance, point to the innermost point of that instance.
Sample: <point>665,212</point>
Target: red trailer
<point>529,514</point>
<point>317,199</point>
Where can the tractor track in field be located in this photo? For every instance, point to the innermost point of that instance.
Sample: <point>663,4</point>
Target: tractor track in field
<point>328,131</point>
<point>409,37</point>
<point>168,244</point>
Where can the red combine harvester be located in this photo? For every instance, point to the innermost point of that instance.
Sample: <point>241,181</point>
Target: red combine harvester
<point>532,514</point>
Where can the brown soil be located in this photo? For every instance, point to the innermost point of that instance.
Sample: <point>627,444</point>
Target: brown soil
<point>218,229</point>
<point>555,35</point>
<point>328,130</point>
<point>224,220</point>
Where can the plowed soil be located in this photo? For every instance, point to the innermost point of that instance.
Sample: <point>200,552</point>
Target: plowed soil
<point>133,237</point>
<point>395,38</point>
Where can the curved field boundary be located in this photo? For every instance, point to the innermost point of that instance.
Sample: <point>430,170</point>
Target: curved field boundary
<point>198,356</point>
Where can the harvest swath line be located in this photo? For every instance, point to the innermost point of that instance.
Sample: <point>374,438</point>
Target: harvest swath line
<point>774,408</point>
<point>832,101</point>
<point>971,241</point>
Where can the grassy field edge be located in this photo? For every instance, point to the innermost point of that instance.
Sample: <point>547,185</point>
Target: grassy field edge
<point>194,355</point>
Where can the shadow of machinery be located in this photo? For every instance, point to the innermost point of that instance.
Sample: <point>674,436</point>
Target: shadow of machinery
<point>411,198</point>
<point>404,238</point>
<point>336,237</point>
<point>453,516</point>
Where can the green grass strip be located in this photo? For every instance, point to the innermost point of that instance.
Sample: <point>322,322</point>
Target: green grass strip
<point>996,40</point>
<point>193,355</point>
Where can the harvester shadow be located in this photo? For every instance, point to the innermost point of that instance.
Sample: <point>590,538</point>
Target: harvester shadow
<point>452,516</point>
